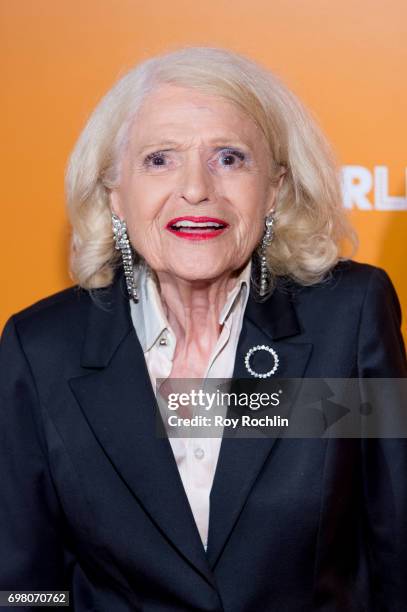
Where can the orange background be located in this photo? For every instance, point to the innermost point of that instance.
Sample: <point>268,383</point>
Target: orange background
<point>346,60</point>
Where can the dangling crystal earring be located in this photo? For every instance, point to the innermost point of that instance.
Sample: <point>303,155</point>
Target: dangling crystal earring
<point>264,269</point>
<point>123,244</point>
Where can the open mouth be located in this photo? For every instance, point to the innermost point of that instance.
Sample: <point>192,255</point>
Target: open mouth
<point>196,228</point>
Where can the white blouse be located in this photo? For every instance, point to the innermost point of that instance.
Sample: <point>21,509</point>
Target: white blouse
<point>196,458</point>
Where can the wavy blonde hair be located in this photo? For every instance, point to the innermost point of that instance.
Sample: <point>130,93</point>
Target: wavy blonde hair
<point>311,226</point>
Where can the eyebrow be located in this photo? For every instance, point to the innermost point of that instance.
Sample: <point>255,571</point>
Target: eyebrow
<point>215,142</point>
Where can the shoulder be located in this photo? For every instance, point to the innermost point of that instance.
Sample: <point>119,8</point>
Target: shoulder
<point>369,286</point>
<point>355,308</point>
<point>350,282</point>
<point>339,299</point>
<point>52,331</point>
<point>367,290</point>
<point>63,306</point>
<point>348,272</point>
<point>54,304</point>
<point>57,320</point>
<point>363,276</point>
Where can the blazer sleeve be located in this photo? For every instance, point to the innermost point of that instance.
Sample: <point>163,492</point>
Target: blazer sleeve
<point>381,354</point>
<point>381,350</point>
<point>32,555</point>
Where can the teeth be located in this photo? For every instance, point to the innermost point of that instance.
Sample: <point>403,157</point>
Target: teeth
<point>193,224</point>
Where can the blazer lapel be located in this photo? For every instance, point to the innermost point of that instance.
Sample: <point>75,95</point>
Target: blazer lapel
<point>118,401</point>
<point>272,323</point>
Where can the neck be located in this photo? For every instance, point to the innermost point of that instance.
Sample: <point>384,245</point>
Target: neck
<point>193,308</point>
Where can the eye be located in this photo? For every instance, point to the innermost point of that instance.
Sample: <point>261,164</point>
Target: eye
<point>156,159</point>
<point>231,157</point>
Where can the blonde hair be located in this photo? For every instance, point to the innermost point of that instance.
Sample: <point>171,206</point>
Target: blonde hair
<point>311,226</point>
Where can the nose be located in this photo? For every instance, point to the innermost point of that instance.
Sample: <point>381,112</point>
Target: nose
<point>196,181</point>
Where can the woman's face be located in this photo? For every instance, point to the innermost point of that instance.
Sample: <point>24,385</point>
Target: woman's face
<point>195,184</point>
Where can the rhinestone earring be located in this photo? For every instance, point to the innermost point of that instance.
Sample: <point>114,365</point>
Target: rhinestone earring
<point>123,244</point>
<point>265,274</point>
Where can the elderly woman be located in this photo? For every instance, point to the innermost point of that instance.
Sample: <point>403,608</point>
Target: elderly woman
<point>208,243</point>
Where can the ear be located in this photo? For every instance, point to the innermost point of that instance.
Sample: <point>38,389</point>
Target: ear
<point>274,190</point>
<point>116,203</point>
<point>281,179</point>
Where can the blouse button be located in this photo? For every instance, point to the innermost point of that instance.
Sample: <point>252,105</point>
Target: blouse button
<point>199,453</point>
<point>163,341</point>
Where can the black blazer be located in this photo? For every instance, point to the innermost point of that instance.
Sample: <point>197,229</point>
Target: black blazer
<point>91,498</point>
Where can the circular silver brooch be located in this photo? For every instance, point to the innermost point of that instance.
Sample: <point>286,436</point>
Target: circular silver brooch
<point>261,347</point>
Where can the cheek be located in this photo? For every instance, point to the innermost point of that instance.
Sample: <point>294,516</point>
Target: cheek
<point>251,209</point>
<point>248,194</point>
<point>251,224</point>
<point>143,209</point>
<point>250,233</point>
<point>141,204</point>
<point>144,229</point>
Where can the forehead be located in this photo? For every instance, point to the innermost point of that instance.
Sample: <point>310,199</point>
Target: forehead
<point>171,110</point>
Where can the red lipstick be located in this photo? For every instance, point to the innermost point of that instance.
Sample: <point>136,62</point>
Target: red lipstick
<point>196,228</point>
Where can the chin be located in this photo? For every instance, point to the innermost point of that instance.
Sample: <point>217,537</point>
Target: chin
<point>198,273</point>
<point>190,266</point>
